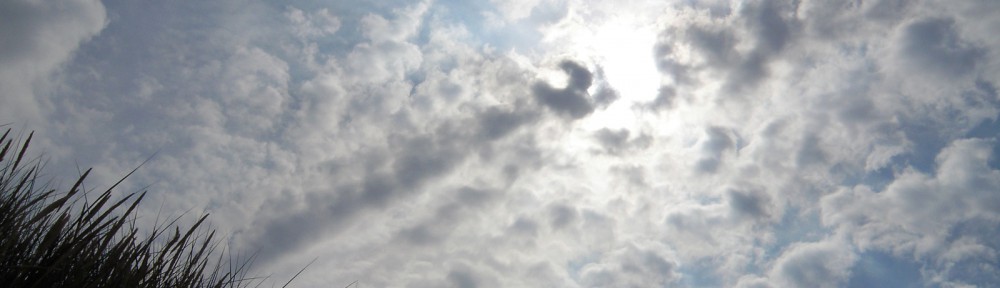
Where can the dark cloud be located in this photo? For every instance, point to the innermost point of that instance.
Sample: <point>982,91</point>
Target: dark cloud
<point>605,94</point>
<point>571,101</point>
<point>495,123</point>
<point>411,161</point>
<point>824,18</point>
<point>613,141</point>
<point>665,98</point>
<point>579,77</point>
<point>463,278</point>
<point>717,141</point>
<point>680,72</point>
<point>471,196</point>
<point>630,266</point>
<point>934,45</point>
<point>716,44</point>
<point>770,27</point>
<point>453,208</point>
<point>749,203</point>
<point>561,216</point>
<point>424,157</point>
<point>618,142</point>
<point>420,235</point>
<point>888,10</point>
<point>31,31</point>
<point>989,89</point>
<point>771,32</point>
<point>524,226</point>
<point>810,152</point>
<point>37,41</point>
<point>284,231</point>
<point>18,36</point>
<point>765,28</point>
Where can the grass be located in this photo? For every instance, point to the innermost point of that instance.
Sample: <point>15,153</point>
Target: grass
<point>67,239</point>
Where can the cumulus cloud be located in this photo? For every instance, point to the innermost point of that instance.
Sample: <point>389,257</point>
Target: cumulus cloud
<point>571,101</point>
<point>630,267</point>
<point>823,264</point>
<point>37,38</point>
<point>716,142</point>
<point>921,213</point>
<point>423,144</point>
<point>933,45</point>
<point>787,75</point>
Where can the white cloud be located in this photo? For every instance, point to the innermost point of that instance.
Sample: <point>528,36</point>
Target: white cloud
<point>36,39</point>
<point>310,25</point>
<point>408,144</point>
<point>514,10</point>
<point>917,213</point>
<point>822,264</point>
<point>630,267</point>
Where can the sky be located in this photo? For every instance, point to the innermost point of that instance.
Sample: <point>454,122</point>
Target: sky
<point>536,143</point>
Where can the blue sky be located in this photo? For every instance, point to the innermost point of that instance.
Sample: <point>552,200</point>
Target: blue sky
<point>537,143</point>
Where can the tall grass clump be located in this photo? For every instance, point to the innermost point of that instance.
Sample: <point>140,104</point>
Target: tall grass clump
<point>67,239</point>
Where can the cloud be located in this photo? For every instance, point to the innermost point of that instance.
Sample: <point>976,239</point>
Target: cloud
<point>36,39</point>
<point>604,94</point>
<point>716,142</point>
<point>561,215</point>
<point>630,267</point>
<point>571,101</point>
<point>314,24</point>
<point>751,204</point>
<point>918,218</point>
<point>823,264</point>
<point>791,91</point>
<point>738,48</point>
<point>402,165</point>
<point>789,143</point>
<point>933,45</point>
<point>495,123</point>
<point>514,9</point>
<point>618,142</point>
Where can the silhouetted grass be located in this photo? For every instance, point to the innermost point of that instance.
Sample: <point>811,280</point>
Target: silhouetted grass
<point>62,239</point>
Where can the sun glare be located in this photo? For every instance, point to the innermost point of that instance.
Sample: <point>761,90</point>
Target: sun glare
<point>624,51</point>
<point>626,55</point>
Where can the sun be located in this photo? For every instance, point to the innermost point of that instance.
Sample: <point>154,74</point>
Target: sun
<point>619,49</point>
<point>623,50</point>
